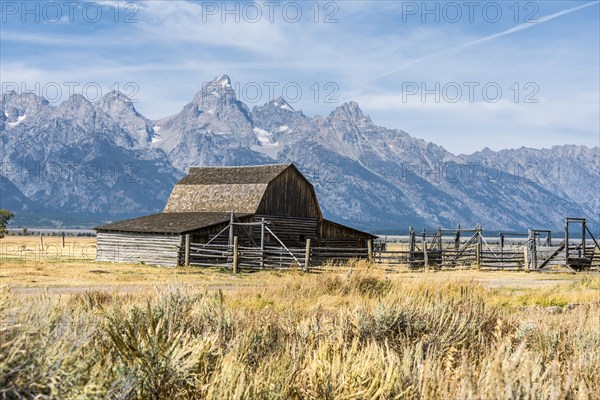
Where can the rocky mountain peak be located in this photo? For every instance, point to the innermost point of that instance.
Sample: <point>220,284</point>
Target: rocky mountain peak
<point>351,112</point>
<point>350,109</point>
<point>350,118</point>
<point>78,108</point>
<point>16,107</point>
<point>77,100</point>
<point>282,104</point>
<point>215,93</point>
<point>26,98</point>
<point>121,109</point>
<point>223,80</point>
<point>115,100</point>
<point>278,116</point>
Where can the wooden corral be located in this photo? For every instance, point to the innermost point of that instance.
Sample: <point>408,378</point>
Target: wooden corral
<point>271,209</point>
<point>534,250</point>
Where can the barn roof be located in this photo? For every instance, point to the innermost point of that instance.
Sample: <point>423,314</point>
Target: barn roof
<point>223,189</point>
<point>230,175</point>
<point>175,223</point>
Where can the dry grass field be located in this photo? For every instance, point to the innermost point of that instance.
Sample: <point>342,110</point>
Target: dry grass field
<point>73,328</point>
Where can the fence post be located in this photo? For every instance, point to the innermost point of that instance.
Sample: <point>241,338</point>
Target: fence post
<point>534,261</point>
<point>411,244</point>
<point>425,256</point>
<point>479,246</point>
<point>231,229</point>
<point>457,239</point>
<point>186,261</point>
<point>532,251</point>
<point>262,242</point>
<point>307,256</point>
<point>63,239</point>
<point>566,241</point>
<point>370,250</point>
<point>583,223</point>
<point>235,254</point>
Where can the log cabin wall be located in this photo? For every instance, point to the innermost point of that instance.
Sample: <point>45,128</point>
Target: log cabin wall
<point>149,248</point>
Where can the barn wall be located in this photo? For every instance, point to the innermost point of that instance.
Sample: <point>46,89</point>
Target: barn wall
<point>155,249</point>
<point>292,231</point>
<point>291,195</point>
<point>335,235</point>
<point>204,235</point>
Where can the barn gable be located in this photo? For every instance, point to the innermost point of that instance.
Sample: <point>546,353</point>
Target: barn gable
<point>290,194</point>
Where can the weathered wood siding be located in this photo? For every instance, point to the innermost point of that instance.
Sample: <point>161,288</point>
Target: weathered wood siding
<point>336,235</point>
<point>290,194</point>
<point>155,249</point>
<point>205,235</point>
<point>292,231</point>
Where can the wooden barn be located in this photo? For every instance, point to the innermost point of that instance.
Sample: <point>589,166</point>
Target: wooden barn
<point>263,206</point>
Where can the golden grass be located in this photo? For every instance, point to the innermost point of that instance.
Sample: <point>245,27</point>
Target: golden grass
<point>47,249</point>
<point>353,333</point>
<point>83,329</point>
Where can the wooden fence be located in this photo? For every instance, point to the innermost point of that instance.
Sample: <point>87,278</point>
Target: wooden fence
<point>272,257</point>
<point>247,257</point>
<point>486,259</point>
<point>472,253</point>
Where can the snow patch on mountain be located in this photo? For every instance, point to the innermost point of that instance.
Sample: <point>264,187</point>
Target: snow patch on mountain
<point>17,122</point>
<point>264,137</point>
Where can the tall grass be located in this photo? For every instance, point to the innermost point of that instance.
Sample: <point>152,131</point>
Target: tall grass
<point>351,335</point>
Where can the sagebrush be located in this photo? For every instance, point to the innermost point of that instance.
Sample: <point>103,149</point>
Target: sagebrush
<point>348,335</point>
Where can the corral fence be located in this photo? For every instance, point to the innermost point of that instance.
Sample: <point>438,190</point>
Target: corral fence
<point>272,257</point>
<point>534,250</point>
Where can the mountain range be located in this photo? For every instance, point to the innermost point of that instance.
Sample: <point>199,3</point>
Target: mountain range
<point>81,163</point>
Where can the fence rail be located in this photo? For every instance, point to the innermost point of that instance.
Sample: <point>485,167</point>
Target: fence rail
<point>271,257</point>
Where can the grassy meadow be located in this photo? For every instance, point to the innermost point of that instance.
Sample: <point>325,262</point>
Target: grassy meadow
<point>77,329</point>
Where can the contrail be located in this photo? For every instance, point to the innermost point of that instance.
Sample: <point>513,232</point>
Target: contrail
<point>517,28</point>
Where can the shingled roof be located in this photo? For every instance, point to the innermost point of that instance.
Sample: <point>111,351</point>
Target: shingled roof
<point>175,223</point>
<point>229,175</point>
<point>223,189</point>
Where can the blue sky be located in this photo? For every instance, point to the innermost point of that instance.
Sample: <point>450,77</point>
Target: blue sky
<point>464,75</point>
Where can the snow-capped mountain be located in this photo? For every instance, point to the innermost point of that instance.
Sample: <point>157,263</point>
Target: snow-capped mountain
<point>76,159</point>
<point>213,129</point>
<point>365,175</point>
